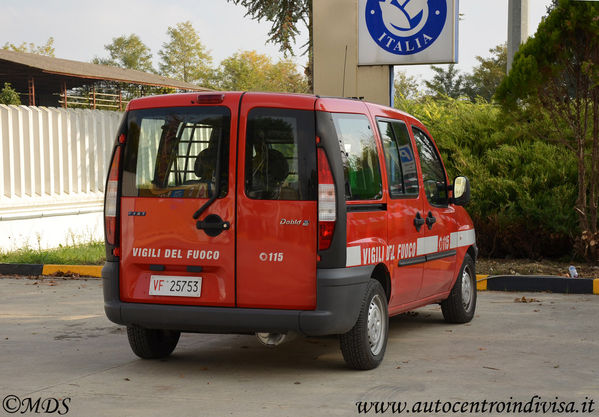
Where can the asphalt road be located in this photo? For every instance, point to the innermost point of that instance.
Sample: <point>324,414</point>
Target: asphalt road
<point>55,343</point>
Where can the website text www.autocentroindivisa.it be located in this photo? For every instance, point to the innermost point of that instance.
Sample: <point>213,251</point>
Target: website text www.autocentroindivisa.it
<point>535,405</point>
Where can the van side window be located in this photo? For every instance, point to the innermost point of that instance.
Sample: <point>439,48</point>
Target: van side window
<point>171,152</point>
<point>280,155</point>
<point>399,157</point>
<point>360,157</point>
<point>433,173</point>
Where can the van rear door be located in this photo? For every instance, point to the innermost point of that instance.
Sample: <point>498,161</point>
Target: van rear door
<point>168,173</point>
<point>277,202</point>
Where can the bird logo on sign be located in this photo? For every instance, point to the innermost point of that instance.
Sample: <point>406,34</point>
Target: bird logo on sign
<point>404,18</point>
<point>405,27</point>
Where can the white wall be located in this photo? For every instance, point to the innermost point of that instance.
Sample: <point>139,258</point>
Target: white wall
<point>54,163</point>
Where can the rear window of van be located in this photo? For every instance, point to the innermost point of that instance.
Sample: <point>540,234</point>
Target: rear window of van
<point>280,155</point>
<point>172,152</point>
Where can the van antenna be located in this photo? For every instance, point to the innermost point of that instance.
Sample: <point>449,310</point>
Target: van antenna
<point>344,67</point>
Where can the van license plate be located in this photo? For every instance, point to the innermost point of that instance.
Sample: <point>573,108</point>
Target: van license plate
<point>175,286</point>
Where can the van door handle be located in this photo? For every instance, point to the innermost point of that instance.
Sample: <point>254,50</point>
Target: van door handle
<point>418,221</point>
<point>213,225</point>
<point>430,220</point>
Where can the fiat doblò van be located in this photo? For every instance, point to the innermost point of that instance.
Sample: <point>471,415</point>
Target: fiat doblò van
<point>275,213</point>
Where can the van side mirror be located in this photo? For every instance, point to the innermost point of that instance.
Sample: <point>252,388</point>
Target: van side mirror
<point>461,191</point>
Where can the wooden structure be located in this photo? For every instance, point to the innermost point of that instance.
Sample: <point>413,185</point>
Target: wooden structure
<point>47,80</point>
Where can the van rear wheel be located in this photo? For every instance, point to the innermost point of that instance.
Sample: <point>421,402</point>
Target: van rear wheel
<point>152,343</point>
<point>363,347</point>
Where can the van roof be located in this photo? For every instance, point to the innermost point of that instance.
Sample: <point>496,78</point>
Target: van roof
<point>186,99</point>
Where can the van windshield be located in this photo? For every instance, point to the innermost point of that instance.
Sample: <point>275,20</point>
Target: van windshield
<point>172,152</point>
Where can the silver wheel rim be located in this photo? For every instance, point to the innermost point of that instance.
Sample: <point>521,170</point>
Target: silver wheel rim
<point>467,290</point>
<point>376,325</point>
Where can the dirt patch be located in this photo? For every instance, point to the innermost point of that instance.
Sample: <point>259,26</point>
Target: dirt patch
<point>529,267</point>
<point>68,274</point>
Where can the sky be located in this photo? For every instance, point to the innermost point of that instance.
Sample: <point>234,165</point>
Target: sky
<point>81,28</point>
<point>483,26</point>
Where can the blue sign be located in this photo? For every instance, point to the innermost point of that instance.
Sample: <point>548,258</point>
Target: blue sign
<point>405,154</point>
<point>177,194</point>
<point>405,27</point>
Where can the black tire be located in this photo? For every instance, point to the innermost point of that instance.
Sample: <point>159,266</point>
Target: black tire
<point>459,307</point>
<point>152,344</point>
<point>363,347</point>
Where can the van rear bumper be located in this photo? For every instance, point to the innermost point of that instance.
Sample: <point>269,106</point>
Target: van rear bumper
<point>339,297</point>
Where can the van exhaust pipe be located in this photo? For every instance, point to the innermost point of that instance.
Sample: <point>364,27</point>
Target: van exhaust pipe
<point>274,339</point>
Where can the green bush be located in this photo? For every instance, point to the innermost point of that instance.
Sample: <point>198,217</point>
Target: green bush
<point>523,184</point>
<point>8,95</point>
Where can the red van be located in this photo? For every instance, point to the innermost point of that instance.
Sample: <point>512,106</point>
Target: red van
<point>275,213</point>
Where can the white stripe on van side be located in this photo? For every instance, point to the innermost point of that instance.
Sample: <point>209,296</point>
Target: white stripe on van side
<point>354,256</point>
<point>463,238</point>
<point>426,245</point>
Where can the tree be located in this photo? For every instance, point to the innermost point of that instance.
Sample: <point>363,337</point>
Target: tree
<point>446,82</point>
<point>9,96</point>
<point>127,52</point>
<point>251,71</point>
<point>284,77</point>
<point>487,75</point>
<point>558,69</point>
<point>46,49</point>
<point>124,52</point>
<point>184,57</point>
<point>405,87</point>
<point>285,15</point>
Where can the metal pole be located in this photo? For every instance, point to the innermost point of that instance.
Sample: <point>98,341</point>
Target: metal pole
<point>64,93</point>
<point>32,91</point>
<point>517,32</point>
<point>391,86</point>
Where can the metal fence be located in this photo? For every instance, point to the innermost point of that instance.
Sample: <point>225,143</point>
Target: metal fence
<point>54,154</point>
<point>54,163</point>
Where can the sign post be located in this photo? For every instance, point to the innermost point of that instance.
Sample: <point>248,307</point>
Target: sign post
<point>517,31</point>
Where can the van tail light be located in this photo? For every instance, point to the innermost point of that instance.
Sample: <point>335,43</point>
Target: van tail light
<point>111,199</point>
<point>327,202</point>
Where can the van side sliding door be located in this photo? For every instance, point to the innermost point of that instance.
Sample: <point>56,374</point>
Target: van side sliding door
<point>405,212</point>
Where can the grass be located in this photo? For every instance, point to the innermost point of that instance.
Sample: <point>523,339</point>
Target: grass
<point>92,253</point>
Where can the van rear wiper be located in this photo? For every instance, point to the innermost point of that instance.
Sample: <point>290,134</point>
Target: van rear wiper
<point>213,225</point>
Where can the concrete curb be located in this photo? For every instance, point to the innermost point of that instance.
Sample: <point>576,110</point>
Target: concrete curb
<point>483,282</point>
<point>60,270</point>
<point>537,283</point>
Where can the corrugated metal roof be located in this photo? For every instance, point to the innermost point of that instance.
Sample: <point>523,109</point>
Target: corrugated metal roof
<point>66,67</point>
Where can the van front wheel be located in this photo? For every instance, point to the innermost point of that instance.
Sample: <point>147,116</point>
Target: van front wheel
<point>152,343</point>
<point>459,307</point>
<point>363,347</point>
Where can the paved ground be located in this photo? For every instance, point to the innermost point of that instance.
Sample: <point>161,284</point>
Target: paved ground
<point>55,342</point>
